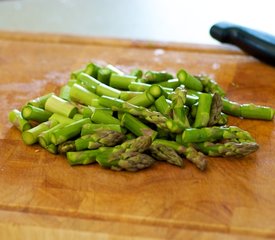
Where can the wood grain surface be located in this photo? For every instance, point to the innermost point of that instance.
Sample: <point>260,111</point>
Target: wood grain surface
<point>42,197</point>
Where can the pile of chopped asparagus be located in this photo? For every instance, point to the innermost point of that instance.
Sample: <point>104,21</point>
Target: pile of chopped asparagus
<point>129,121</point>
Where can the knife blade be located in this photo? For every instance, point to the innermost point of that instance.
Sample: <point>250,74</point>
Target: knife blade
<point>256,43</point>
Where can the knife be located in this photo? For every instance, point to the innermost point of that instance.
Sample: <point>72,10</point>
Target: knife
<point>256,43</point>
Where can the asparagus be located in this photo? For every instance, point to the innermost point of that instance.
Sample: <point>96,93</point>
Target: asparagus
<point>215,110</point>
<point>81,95</point>
<point>56,104</point>
<point>61,119</point>
<point>128,156</point>
<point>68,132</point>
<point>227,149</point>
<point>114,69</point>
<point>30,136</point>
<point>30,112</point>
<point>162,106</point>
<point>136,72</point>
<point>90,128</point>
<point>65,92</point>
<point>210,85</point>
<point>165,153</point>
<point>101,116</point>
<point>127,95</point>
<point>91,69</point>
<point>156,77</point>
<point>172,83</point>
<point>145,99</point>
<point>211,134</point>
<point>136,126</point>
<point>178,111</point>
<point>203,111</point>
<point>74,74</point>
<point>189,81</point>
<point>98,139</point>
<point>82,157</point>
<point>15,117</point>
<point>138,86</point>
<point>247,110</point>
<point>103,75</point>
<point>121,81</point>
<point>188,151</point>
<point>40,101</point>
<point>67,146</point>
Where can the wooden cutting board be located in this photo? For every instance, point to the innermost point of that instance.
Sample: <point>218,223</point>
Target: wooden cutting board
<point>42,197</point>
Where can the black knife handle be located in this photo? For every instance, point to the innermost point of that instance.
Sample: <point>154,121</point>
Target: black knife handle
<point>259,44</point>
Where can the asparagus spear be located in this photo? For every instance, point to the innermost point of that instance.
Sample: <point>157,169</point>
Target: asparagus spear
<point>172,83</point>
<point>210,85</point>
<point>30,112</point>
<point>247,110</point>
<point>90,128</point>
<point>162,152</point>
<point>188,151</point>
<point>121,81</point>
<point>203,111</point>
<point>40,101</point>
<point>127,95</point>
<point>162,106</point>
<point>103,75</point>
<point>145,99</point>
<point>136,72</point>
<point>81,95</point>
<point>61,119</point>
<point>65,92</point>
<point>227,149</point>
<point>56,104</point>
<point>211,134</point>
<point>67,146</point>
<point>114,69</point>
<point>98,139</point>
<point>15,117</point>
<point>215,110</point>
<point>156,77</point>
<point>91,69</point>
<point>82,157</point>
<point>128,156</point>
<point>136,126</point>
<point>68,132</point>
<point>189,81</point>
<point>31,136</point>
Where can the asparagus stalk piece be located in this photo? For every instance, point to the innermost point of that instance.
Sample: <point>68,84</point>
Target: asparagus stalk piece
<point>136,72</point>
<point>44,138</point>
<point>114,69</point>
<point>40,101</point>
<point>103,75</point>
<point>81,95</point>
<point>127,95</point>
<point>172,83</point>
<point>163,152</point>
<point>91,69</point>
<point>89,81</point>
<point>61,119</point>
<point>56,104</point>
<point>138,86</point>
<point>90,128</point>
<point>189,81</point>
<point>30,112</point>
<point>107,138</point>
<point>203,111</point>
<point>121,81</point>
<point>162,106</point>
<point>227,149</point>
<point>15,117</point>
<point>31,136</point>
<point>101,116</point>
<point>82,157</point>
<point>68,132</point>
<point>156,77</point>
<point>136,126</point>
<point>74,74</point>
<point>65,92</point>
<point>247,110</point>
<point>145,99</point>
